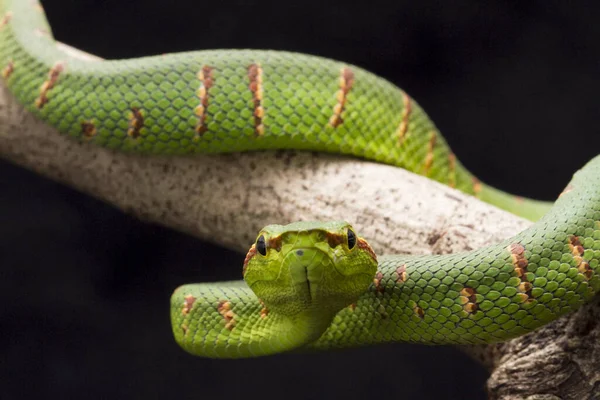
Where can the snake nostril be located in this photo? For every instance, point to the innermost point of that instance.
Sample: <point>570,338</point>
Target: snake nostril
<point>299,252</point>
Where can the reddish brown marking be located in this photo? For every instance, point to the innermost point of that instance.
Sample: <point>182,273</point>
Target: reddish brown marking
<point>224,308</point>
<point>476,187</point>
<point>363,245</point>
<point>8,70</point>
<point>136,123</point>
<point>251,253</point>
<point>274,243</point>
<point>49,84</point>
<point>577,250</point>
<point>88,129</point>
<point>184,328</point>
<point>468,298</point>
<point>471,307</point>
<point>188,303</point>
<point>346,82</point>
<point>518,258</point>
<point>401,274</point>
<point>576,246</point>
<point>585,269</point>
<point>206,78</point>
<point>451,170</point>
<point>264,312</point>
<point>419,312</point>
<point>429,156</point>
<point>334,239</point>
<point>377,282</point>
<point>469,293</point>
<point>516,248</point>
<point>566,190</point>
<point>256,87</point>
<point>5,20</point>
<point>352,306</point>
<point>525,287</point>
<point>520,264</point>
<point>230,325</point>
<point>406,110</point>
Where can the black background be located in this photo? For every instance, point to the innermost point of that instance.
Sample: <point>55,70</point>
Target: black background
<point>84,289</point>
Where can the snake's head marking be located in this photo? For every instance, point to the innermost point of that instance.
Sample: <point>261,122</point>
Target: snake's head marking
<point>188,303</point>
<point>309,267</point>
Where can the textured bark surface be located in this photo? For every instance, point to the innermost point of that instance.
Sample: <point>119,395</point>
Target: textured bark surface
<point>398,212</point>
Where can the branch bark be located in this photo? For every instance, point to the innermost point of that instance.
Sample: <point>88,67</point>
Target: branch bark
<point>228,198</point>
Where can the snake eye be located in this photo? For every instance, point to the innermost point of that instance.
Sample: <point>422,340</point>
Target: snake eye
<point>351,239</point>
<point>261,245</point>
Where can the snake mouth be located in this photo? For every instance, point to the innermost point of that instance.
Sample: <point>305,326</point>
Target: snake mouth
<point>306,267</point>
<point>308,287</point>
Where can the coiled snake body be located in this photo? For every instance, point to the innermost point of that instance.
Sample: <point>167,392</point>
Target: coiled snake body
<point>320,285</point>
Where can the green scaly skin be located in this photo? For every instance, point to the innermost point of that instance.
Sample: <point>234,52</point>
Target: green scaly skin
<point>241,100</point>
<point>483,296</point>
<point>299,95</point>
<point>302,282</point>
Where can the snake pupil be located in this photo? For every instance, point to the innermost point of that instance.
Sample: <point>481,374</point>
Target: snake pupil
<point>351,239</point>
<point>261,245</point>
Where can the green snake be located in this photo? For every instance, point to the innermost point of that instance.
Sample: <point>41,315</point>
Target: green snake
<point>312,285</point>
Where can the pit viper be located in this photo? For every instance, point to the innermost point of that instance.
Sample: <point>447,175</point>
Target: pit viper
<point>312,285</point>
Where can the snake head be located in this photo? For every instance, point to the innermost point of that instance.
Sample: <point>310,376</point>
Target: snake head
<point>309,267</point>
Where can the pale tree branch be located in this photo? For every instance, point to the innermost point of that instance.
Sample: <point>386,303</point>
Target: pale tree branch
<point>228,198</point>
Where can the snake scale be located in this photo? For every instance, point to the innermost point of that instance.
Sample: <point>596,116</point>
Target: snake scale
<point>319,284</point>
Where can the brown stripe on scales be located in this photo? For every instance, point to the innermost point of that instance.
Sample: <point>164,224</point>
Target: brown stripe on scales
<point>468,298</point>
<point>451,170</point>
<point>419,312</point>
<point>224,308</point>
<point>406,110</point>
<point>251,253</point>
<point>188,304</point>
<point>476,187</point>
<point>346,83</point>
<point>255,75</point>
<point>429,156</point>
<point>377,282</point>
<point>88,129</point>
<point>400,275</point>
<point>577,250</point>
<point>8,70</point>
<point>363,245</point>
<point>520,263</point>
<point>206,78</point>
<point>136,122</point>
<point>264,312</point>
<point>49,84</point>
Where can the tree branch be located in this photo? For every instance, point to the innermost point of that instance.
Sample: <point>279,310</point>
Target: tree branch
<point>228,198</point>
